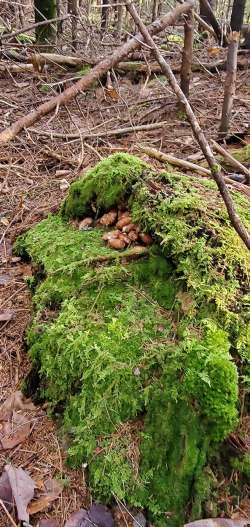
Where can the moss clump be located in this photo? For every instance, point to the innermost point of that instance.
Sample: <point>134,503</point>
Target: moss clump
<point>107,184</point>
<point>139,354</point>
<point>243,466</point>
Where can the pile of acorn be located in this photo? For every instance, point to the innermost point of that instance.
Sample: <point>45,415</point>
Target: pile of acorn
<point>124,232</point>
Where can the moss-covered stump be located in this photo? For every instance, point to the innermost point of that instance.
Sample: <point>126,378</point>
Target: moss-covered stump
<point>145,357</point>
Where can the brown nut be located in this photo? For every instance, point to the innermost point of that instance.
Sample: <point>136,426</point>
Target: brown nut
<point>129,227</point>
<point>133,236</point>
<point>85,224</point>
<point>111,234</point>
<point>146,238</point>
<point>116,243</point>
<point>125,220</point>
<point>109,218</point>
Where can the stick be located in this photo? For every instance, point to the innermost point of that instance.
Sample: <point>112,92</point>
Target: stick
<point>233,162</point>
<point>204,24</point>
<point>165,158</point>
<point>8,514</point>
<point>86,135</point>
<point>197,131</point>
<point>32,26</point>
<point>187,54</point>
<point>100,69</point>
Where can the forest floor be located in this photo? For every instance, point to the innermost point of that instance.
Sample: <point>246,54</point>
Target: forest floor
<point>35,172</point>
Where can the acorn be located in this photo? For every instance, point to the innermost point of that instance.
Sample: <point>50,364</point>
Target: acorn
<point>85,224</point>
<point>146,238</point>
<point>109,218</point>
<point>124,220</point>
<point>133,236</point>
<point>116,243</point>
<point>111,234</point>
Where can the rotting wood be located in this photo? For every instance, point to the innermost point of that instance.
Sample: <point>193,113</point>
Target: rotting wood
<point>100,69</point>
<point>233,162</point>
<point>197,131</point>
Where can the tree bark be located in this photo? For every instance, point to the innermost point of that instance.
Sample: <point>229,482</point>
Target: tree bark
<point>197,131</point>
<point>100,69</point>
<point>45,10</point>
<point>229,89</point>
<point>73,10</point>
<point>187,54</point>
<point>104,15</point>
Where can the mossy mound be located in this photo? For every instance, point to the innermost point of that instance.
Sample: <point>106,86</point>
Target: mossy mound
<point>145,356</point>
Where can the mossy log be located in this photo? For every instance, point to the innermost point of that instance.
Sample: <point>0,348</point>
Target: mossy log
<point>145,356</point>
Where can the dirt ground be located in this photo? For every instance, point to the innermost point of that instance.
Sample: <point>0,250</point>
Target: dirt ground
<point>35,171</point>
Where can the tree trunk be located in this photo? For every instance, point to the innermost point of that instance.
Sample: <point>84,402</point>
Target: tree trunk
<point>73,10</point>
<point>229,89</point>
<point>104,15</point>
<point>155,9</point>
<point>211,19</point>
<point>187,55</point>
<point>58,14</point>
<point>45,10</point>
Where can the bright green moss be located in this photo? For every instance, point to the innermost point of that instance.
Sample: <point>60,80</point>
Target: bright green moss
<point>105,185</point>
<point>139,354</point>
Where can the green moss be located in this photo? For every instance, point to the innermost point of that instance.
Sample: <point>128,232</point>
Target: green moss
<point>140,354</point>
<point>243,465</point>
<point>106,184</point>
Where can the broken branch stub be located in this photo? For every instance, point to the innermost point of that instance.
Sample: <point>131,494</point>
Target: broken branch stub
<point>197,131</point>
<point>100,69</point>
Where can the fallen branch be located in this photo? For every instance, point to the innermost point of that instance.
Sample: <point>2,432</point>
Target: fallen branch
<point>204,24</point>
<point>32,26</point>
<point>100,69</point>
<point>182,163</point>
<point>168,158</point>
<point>84,134</point>
<point>233,162</point>
<point>197,131</point>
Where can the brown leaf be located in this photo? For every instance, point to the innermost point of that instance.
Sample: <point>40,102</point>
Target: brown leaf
<point>22,486</point>
<point>218,522</point>
<point>48,523</point>
<point>53,488</point>
<point>5,279</point>
<point>76,518</point>
<point>16,401</point>
<point>15,431</point>
<point>40,504</point>
<point>6,315</point>
<point>5,491</point>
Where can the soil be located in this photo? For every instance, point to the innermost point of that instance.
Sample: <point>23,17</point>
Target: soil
<point>33,170</point>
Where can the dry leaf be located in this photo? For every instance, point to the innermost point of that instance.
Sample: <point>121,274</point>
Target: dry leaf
<point>218,522</point>
<point>4,221</point>
<point>76,519</point>
<point>214,51</point>
<point>40,504</point>
<point>6,315</point>
<point>16,401</point>
<point>14,431</point>
<point>5,491</point>
<point>5,279</point>
<point>112,93</point>
<point>22,486</point>
<point>52,490</point>
<point>109,218</point>
<point>48,523</point>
